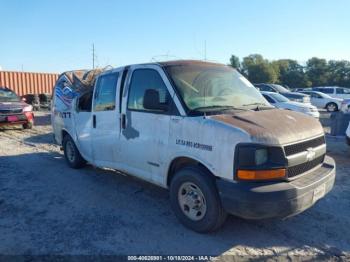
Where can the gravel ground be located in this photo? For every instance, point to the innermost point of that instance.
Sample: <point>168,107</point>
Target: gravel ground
<point>47,208</point>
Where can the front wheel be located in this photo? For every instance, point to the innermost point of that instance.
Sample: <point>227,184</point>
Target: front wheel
<point>332,107</point>
<point>72,154</point>
<point>195,200</point>
<point>28,125</point>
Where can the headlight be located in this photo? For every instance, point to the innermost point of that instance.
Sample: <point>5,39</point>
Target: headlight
<point>28,108</point>
<point>259,162</point>
<point>306,99</point>
<point>260,156</point>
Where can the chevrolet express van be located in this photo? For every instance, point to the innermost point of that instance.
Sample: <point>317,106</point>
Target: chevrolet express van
<point>201,130</point>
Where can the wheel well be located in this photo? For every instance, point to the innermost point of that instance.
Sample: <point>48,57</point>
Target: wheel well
<point>179,163</point>
<point>64,133</point>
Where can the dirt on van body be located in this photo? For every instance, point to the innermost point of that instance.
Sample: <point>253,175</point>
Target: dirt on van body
<point>47,208</point>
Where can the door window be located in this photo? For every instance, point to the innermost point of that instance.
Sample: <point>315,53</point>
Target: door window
<point>104,99</point>
<point>142,80</point>
<point>314,95</point>
<point>327,90</point>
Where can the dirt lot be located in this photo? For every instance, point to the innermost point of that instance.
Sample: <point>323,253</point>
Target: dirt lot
<point>48,208</point>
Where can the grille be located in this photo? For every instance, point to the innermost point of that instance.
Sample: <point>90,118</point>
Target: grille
<point>303,146</point>
<point>304,167</point>
<point>11,111</point>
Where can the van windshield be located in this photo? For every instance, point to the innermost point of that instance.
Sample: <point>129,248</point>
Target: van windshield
<point>211,87</point>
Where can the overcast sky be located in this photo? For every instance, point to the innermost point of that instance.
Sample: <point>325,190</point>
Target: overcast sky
<point>55,36</point>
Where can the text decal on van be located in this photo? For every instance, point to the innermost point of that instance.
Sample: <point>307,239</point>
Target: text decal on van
<point>194,145</point>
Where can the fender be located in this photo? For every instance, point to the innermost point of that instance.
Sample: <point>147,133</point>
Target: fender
<point>185,154</point>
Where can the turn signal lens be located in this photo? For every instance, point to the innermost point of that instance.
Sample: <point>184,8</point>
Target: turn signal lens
<point>261,174</point>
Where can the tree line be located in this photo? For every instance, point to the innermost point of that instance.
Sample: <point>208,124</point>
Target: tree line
<point>288,72</point>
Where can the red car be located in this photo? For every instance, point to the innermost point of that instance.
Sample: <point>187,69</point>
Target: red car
<point>14,111</point>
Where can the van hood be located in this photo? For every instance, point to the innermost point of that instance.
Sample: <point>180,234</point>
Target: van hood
<point>273,127</point>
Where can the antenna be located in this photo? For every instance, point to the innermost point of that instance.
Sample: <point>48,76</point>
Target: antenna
<point>93,56</point>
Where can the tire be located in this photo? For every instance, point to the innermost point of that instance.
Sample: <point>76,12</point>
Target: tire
<point>72,154</point>
<point>332,107</point>
<point>28,125</point>
<point>209,217</point>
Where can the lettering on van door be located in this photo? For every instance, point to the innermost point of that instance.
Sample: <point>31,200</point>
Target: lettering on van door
<point>192,144</point>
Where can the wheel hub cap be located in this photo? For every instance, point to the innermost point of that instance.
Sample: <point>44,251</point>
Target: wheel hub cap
<point>192,201</point>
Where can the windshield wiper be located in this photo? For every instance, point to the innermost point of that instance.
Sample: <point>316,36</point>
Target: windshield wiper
<point>259,106</point>
<point>217,108</point>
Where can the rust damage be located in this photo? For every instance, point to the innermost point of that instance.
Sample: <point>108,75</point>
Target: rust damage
<point>275,126</point>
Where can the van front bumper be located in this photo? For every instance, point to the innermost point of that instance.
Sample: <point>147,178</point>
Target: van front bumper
<point>262,200</point>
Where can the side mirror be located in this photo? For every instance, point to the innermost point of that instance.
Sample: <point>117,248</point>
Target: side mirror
<point>151,101</point>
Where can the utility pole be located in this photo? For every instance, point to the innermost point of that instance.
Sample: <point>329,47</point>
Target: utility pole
<point>93,56</point>
<point>205,50</point>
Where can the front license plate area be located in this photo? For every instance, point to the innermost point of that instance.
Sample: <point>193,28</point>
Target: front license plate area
<point>319,192</point>
<point>12,118</point>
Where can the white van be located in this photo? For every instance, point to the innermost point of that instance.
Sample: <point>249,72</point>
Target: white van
<point>334,91</point>
<point>200,129</point>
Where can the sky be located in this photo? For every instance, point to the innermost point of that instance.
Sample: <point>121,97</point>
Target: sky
<point>56,36</point>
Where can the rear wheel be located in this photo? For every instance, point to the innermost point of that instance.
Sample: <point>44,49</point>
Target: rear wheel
<point>332,107</point>
<point>195,200</point>
<point>72,154</point>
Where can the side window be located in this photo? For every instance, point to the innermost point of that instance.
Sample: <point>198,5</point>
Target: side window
<point>327,90</point>
<point>339,91</point>
<point>142,80</point>
<point>269,99</point>
<point>346,91</point>
<point>85,102</point>
<point>104,99</point>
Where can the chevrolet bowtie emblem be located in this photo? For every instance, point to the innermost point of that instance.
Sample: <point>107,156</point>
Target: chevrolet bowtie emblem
<point>311,154</point>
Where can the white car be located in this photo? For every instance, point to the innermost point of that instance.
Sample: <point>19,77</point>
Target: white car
<point>282,102</point>
<point>345,106</point>
<point>348,134</point>
<point>334,91</point>
<point>321,100</point>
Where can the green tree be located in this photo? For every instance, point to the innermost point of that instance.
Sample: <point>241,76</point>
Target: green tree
<point>317,71</point>
<point>262,73</point>
<point>291,73</point>
<point>339,73</point>
<point>234,62</point>
<point>258,69</point>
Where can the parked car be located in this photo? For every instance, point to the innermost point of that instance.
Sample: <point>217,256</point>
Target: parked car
<point>324,101</point>
<point>200,129</point>
<point>294,96</point>
<point>45,100</point>
<point>348,135</point>
<point>334,91</point>
<point>345,106</point>
<point>14,111</point>
<point>303,89</point>
<point>280,101</point>
<point>32,99</point>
